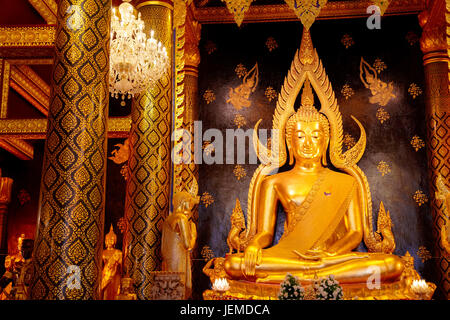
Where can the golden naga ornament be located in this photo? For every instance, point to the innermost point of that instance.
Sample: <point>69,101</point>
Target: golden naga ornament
<point>328,206</point>
<point>306,10</point>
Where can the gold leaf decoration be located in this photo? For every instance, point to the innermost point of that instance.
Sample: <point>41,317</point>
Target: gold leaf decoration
<point>207,199</point>
<point>121,225</point>
<point>384,168</point>
<point>270,93</point>
<point>240,120</point>
<point>347,91</point>
<point>382,115</point>
<point>424,254</point>
<point>306,10</point>
<point>420,198</point>
<point>271,44</point>
<point>240,70</point>
<point>348,141</point>
<point>23,196</point>
<point>347,41</point>
<point>417,143</point>
<point>207,253</point>
<point>238,8</point>
<point>239,172</point>
<point>414,90</point>
<point>379,65</point>
<point>412,38</point>
<point>210,47</point>
<point>382,4</point>
<point>209,96</point>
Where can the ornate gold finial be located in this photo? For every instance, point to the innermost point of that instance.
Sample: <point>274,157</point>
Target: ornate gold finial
<point>111,235</point>
<point>306,48</point>
<point>307,94</point>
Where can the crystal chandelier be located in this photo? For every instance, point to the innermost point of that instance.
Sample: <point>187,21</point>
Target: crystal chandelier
<point>135,61</point>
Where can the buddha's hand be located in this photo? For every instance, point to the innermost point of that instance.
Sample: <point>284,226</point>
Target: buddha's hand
<point>252,258</point>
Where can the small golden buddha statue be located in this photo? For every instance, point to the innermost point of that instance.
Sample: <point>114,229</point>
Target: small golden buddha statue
<point>179,236</point>
<point>112,268</point>
<point>328,207</point>
<point>23,271</point>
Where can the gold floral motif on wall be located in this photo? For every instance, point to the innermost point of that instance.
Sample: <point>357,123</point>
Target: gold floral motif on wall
<point>23,196</point>
<point>420,198</point>
<point>382,115</point>
<point>271,44</point>
<point>347,41</point>
<point>382,92</point>
<point>208,147</point>
<point>239,120</point>
<point>348,141</point>
<point>384,168</point>
<point>270,93</point>
<point>239,172</point>
<point>417,143</point>
<point>412,38</point>
<point>207,199</point>
<point>121,225</point>
<point>414,90</point>
<point>424,254</point>
<point>239,96</point>
<point>207,253</point>
<point>240,70</point>
<point>347,91</point>
<point>209,96</point>
<point>124,171</point>
<point>210,47</point>
<point>379,65</point>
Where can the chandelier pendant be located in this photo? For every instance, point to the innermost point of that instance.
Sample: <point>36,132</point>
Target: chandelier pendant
<point>136,62</point>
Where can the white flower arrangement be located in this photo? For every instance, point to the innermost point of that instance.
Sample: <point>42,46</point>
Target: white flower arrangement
<point>329,289</point>
<point>291,289</point>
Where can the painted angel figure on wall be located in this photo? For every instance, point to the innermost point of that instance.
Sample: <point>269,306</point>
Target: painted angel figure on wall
<point>239,96</point>
<point>382,92</point>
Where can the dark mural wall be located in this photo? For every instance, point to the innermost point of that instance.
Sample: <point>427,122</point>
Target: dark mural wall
<point>395,170</point>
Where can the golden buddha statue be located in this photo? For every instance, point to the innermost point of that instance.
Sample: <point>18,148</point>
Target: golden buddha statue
<point>328,207</point>
<point>112,268</point>
<point>179,235</point>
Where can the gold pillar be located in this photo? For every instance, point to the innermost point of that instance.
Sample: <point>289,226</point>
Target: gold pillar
<point>68,247</point>
<point>434,46</point>
<point>187,172</point>
<point>148,186</point>
<point>5,199</point>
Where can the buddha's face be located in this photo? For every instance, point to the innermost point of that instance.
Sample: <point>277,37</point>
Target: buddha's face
<point>308,141</point>
<point>110,242</point>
